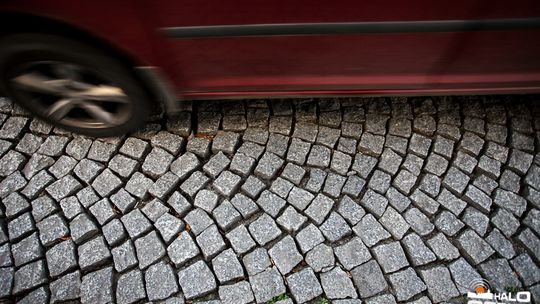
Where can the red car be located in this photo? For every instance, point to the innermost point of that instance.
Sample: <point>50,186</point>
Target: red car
<point>96,67</point>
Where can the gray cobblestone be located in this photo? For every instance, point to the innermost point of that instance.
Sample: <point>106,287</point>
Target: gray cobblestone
<point>210,242</point>
<point>93,253</point>
<point>320,258</point>
<point>418,252</point>
<point>82,228</point>
<point>439,284</point>
<point>196,280</point>
<point>130,287</point>
<point>160,281</point>
<point>370,231</point>
<point>97,286</point>
<point>369,279</point>
<point>149,249</point>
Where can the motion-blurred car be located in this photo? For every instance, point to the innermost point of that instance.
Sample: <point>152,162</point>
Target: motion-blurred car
<point>97,67</point>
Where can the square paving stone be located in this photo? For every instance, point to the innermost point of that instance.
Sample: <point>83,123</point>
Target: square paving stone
<point>352,253</point>
<point>157,162</point>
<point>240,239</point>
<point>169,226</point>
<point>448,223</point>
<point>179,203</point>
<point>424,202</point>
<point>369,279</point>
<point>227,267</point>
<point>154,209</point>
<point>184,165</point>
<point>500,275</point>
<point>102,211</point>
<point>87,196</point>
<point>122,165</point>
<point>271,203</point>
<point>123,201</point>
<point>130,287</point>
<point>211,242</point>
<point>238,293</point>
<point>501,244</point>
<point>198,221</point>
<point>291,220</point>
<point>309,237</point>
<point>268,165</point>
<point>475,219</point>
<point>216,164</point>
<point>455,180</point>
<point>463,274</point>
<point>196,280</point>
<point>253,186</point>
<point>199,146</point>
<point>225,142</point>
<point>23,225</point>
<point>225,215</point>
<point>53,145</point>
<point>335,227</point>
<point>97,286</point>
<point>245,205</point>
<point>353,186</point>
<point>168,141</point>
<point>149,249</point>
<point>138,185</point>
<point>321,258</point>
<point>194,183</point>
<point>293,173</point>
<point>136,223</point>
<point>242,164</point>
<point>61,258</point>
<point>160,281</point>
<point>134,147</point>
<point>52,229</point>
<point>337,284</point>
<point>510,201</point>
<point>298,151</point>
<point>93,253</point>
<point>101,151</point>
<point>474,246</point>
<point>333,185</point>
<point>451,202</point>
<point>227,183</point>
<point>319,156</point>
<point>87,170</point>
<point>124,256</point>
<point>106,183</point>
<point>252,150</point>
<point>442,247</point>
<point>264,229</point>
<point>391,257</point>
<point>66,288</point>
<point>164,185</point>
<point>256,261</point>
<point>15,204</point>
<point>418,221</point>
<point>29,277</point>
<point>63,187</point>
<point>319,208</point>
<point>267,285</point>
<point>394,223</point>
<point>114,232</point>
<point>64,165</point>
<point>285,255</point>
<point>27,250</point>
<point>406,284</point>
<point>350,210</point>
<point>439,284</point>
<point>71,207</point>
<point>370,231</point>
<point>526,268</point>
<point>418,252</point>
<point>82,228</point>
<point>304,285</point>
<point>42,207</point>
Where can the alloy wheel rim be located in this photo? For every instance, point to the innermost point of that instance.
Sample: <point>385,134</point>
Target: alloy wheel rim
<point>71,95</point>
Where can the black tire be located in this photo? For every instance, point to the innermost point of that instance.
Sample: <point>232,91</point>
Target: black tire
<point>20,49</point>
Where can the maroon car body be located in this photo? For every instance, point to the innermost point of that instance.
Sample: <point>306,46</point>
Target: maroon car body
<point>246,48</point>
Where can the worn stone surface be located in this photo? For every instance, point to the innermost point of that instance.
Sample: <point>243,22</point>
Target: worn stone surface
<point>372,200</point>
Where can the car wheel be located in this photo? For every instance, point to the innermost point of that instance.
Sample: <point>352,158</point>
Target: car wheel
<point>72,85</point>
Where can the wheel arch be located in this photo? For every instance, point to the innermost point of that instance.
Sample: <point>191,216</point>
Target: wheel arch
<point>17,23</point>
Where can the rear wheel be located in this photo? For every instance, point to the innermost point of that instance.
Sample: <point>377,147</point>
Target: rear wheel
<point>72,85</point>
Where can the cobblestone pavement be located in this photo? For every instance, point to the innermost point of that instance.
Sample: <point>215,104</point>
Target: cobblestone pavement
<point>383,200</point>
